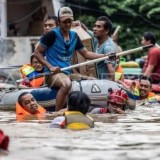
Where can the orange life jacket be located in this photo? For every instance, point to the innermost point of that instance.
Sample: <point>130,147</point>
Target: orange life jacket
<point>37,82</point>
<point>28,69</point>
<point>22,114</point>
<point>151,95</point>
<point>118,72</point>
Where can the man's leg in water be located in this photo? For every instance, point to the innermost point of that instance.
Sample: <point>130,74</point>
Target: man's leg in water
<point>64,84</point>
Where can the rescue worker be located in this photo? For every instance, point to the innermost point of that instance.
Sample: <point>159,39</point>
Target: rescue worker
<point>28,108</point>
<point>75,117</point>
<point>116,103</point>
<point>28,72</point>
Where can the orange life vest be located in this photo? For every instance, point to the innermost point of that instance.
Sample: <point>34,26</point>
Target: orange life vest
<point>28,69</point>
<point>118,72</point>
<point>37,82</point>
<point>151,95</point>
<point>22,114</point>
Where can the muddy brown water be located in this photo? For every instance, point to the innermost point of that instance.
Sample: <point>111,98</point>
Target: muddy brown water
<point>134,136</point>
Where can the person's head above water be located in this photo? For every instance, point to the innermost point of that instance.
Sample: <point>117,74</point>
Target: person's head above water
<point>145,86</point>
<point>117,99</point>
<point>28,102</point>
<point>78,101</point>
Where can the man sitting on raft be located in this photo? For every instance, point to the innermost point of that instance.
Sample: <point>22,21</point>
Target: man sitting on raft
<point>28,108</point>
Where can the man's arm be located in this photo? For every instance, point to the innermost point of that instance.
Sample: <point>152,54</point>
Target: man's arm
<point>39,55</point>
<point>90,55</point>
<point>84,52</point>
<point>46,41</point>
<point>58,122</point>
<point>149,70</point>
<point>111,71</point>
<point>152,62</point>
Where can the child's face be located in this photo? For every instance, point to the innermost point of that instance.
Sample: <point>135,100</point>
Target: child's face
<point>29,103</point>
<point>115,107</point>
<point>37,65</point>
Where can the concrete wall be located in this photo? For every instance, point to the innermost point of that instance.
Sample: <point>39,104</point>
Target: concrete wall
<point>26,17</point>
<point>16,51</point>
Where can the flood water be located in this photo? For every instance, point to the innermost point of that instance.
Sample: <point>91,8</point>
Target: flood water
<point>134,136</point>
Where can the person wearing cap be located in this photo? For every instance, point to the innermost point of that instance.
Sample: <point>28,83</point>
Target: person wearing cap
<point>59,46</point>
<point>116,103</point>
<point>28,72</point>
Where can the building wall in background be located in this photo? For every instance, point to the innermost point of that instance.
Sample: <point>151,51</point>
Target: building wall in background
<point>24,27</point>
<point>16,51</point>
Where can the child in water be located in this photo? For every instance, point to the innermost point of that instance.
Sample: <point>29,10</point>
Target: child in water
<point>75,117</point>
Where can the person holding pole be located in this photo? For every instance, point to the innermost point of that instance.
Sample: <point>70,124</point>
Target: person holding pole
<point>103,44</point>
<point>59,46</point>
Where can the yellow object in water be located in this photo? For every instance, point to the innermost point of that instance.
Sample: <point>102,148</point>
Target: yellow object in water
<point>129,64</point>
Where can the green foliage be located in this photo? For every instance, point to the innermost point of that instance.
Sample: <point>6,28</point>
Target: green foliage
<point>153,11</point>
<point>90,20</point>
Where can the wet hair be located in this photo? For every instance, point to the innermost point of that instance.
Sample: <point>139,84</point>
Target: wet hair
<point>78,101</point>
<point>21,96</point>
<point>149,36</point>
<point>55,18</point>
<point>146,78</point>
<point>107,25</point>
